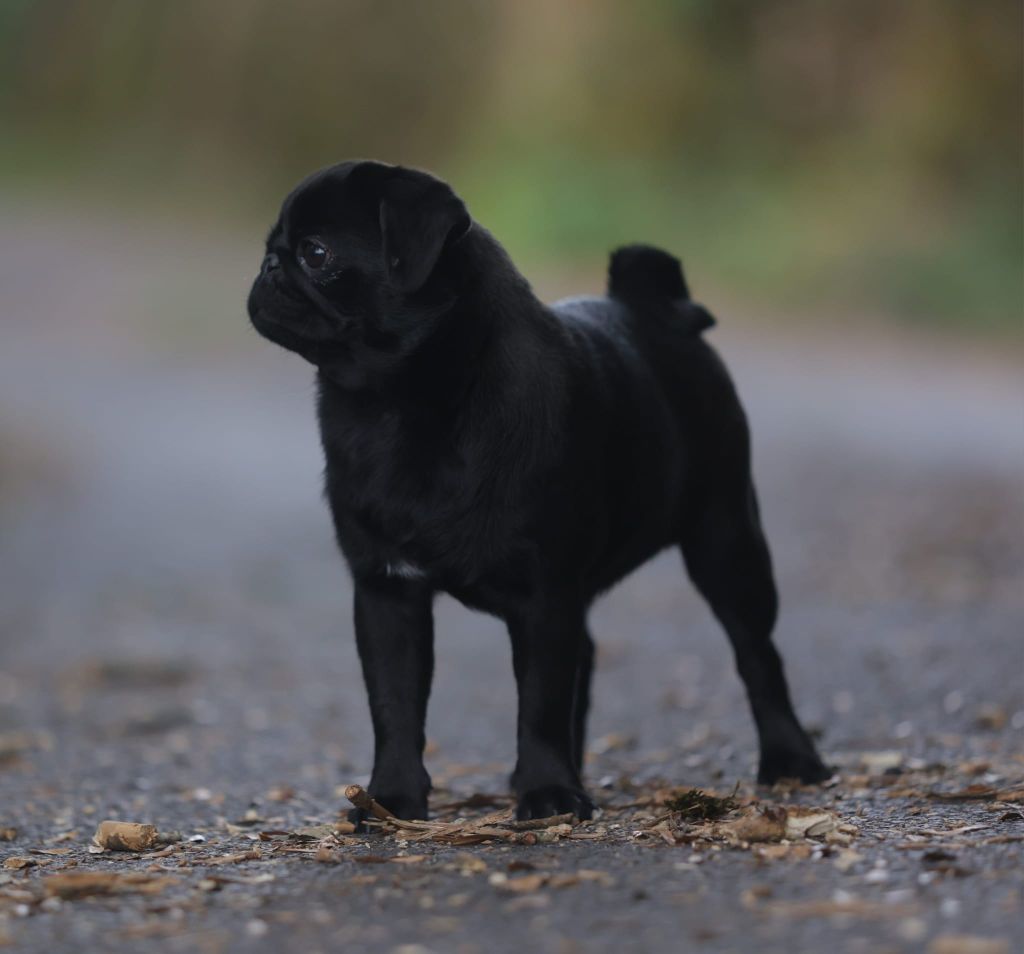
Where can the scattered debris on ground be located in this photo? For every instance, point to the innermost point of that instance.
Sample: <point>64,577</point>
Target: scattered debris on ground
<point>131,836</point>
<point>865,849</point>
<point>694,803</point>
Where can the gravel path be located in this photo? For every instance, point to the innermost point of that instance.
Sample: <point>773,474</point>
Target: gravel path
<point>177,649</point>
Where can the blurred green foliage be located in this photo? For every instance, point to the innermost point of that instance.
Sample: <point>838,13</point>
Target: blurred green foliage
<point>853,154</point>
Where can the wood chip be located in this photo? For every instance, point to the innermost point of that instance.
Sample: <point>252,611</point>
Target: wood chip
<point>125,836</point>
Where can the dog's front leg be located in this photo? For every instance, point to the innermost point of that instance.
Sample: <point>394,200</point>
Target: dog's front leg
<point>547,639</point>
<point>395,638</point>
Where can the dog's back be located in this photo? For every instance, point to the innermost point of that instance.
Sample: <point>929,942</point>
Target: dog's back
<point>661,397</point>
<point>649,326</point>
<point>667,327</point>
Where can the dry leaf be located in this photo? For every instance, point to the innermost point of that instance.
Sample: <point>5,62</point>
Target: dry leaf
<point>532,824</point>
<point>836,837</point>
<point>469,863</point>
<point>852,907</point>
<point>755,825</point>
<point>664,831</point>
<point>600,877</point>
<point>612,742</point>
<point>990,717</point>
<point>565,879</point>
<point>808,822</point>
<point>847,858</point>
<point>477,800</point>
<point>790,852</point>
<point>697,804</point>
<point>8,834</point>
<point>253,854</point>
<point>15,744</point>
<point>81,884</point>
<point>524,883</point>
<point>946,832</point>
<point>130,674</point>
<point>971,793</point>
<point>878,762</point>
<point>17,864</point>
<point>316,832</point>
<point>967,944</point>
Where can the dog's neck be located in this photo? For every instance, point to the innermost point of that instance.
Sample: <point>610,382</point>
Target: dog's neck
<point>489,306</point>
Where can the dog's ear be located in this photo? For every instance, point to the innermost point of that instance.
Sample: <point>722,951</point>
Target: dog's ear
<point>418,216</point>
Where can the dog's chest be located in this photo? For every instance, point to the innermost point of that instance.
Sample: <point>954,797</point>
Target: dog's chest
<point>405,496</point>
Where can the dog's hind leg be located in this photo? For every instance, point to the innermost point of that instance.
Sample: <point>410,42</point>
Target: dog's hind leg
<point>728,560</point>
<point>581,700</point>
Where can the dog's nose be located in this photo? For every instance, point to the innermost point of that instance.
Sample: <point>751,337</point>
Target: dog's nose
<point>270,263</point>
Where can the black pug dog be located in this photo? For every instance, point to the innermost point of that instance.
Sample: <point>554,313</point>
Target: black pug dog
<point>519,456</point>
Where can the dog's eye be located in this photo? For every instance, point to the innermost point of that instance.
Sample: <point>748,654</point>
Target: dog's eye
<point>313,254</point>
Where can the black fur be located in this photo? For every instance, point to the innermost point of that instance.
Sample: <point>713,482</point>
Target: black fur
<point>521,457</point>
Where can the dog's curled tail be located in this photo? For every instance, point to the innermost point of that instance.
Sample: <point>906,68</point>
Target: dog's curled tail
<point>649,278</point>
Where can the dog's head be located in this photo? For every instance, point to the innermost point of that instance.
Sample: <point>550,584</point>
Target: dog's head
<point>355,270</point>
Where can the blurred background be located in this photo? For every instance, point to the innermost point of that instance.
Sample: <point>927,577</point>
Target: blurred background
<point>860,154</point>
<point>843,181</point>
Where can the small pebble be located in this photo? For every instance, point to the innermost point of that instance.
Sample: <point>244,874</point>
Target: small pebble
<point>950,907</point>
<point>953,702</point>
<point>912,929</point>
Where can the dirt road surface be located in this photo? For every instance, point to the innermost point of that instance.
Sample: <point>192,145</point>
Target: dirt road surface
<point>176,648</point>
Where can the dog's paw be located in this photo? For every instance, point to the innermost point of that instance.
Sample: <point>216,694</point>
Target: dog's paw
<point>804,766</point>
<point>408,807</point>
<point>551,800</point>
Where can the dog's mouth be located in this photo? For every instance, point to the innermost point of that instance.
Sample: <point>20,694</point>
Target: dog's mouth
<point>294,324</point>
<point>292,294</point>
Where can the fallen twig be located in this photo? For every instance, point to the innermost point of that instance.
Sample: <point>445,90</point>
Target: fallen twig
<point>362,799</point>
<point>532,824</point>
<point>497,826</point>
